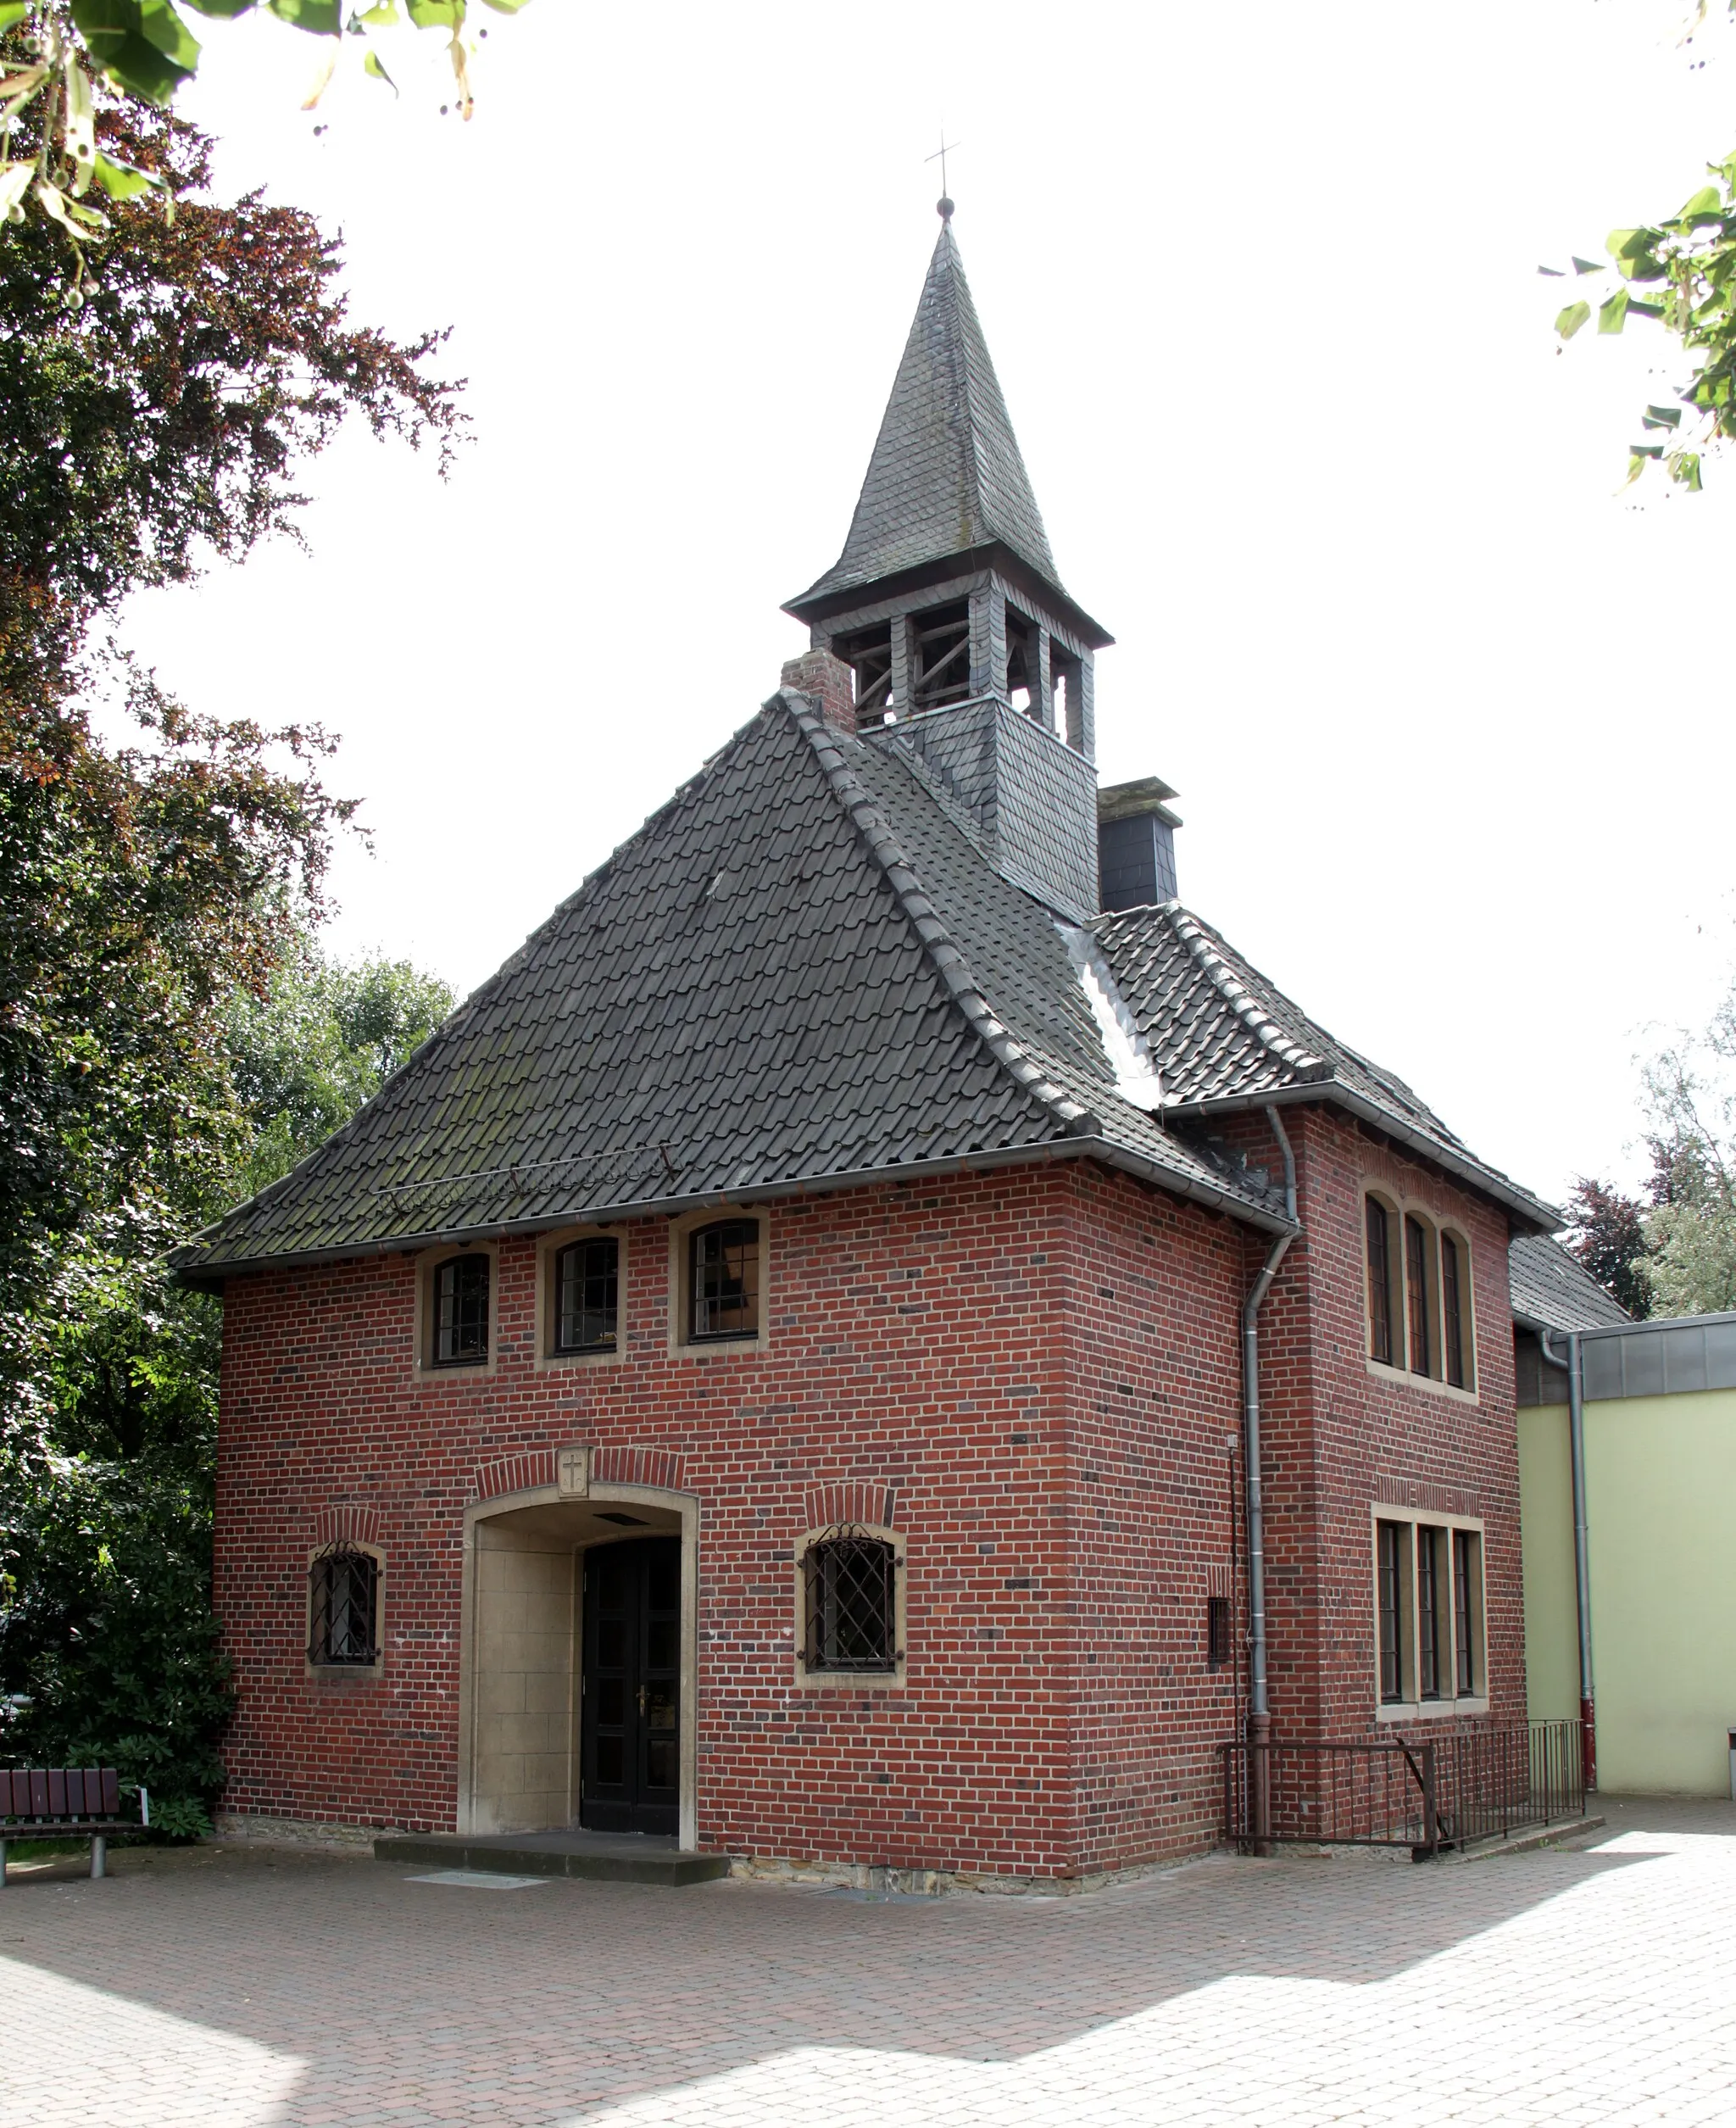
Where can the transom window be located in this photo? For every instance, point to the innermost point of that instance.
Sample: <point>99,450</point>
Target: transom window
<point>1428,1612</point>
<point>461,1312</point>
<point>1418,1295</point>
<point>850,1602</point>
<point>344,1606</point>
<point>724,1281</point>
<point>588,1295</point>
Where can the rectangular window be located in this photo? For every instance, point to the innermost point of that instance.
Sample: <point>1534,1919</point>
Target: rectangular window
<point>1389,1601</point>
<point>1380,1285</point>
<point>1416,1292</point>
<point>587,1295</point>
<point>1428,1614</point>
<point>1466,1606</point>
<point>724,1269</point>
<point>461,1312</point>
<point>1217,1632</point>
<point>850,1615</point>
<point>1452,1314</point>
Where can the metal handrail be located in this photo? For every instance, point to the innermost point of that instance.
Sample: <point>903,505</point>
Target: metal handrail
<point>1475,1783</point>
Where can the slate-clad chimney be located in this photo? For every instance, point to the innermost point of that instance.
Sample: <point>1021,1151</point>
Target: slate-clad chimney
<point>946,605</point>
<point>1135,844</point>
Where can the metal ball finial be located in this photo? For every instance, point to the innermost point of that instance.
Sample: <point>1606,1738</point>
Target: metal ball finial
<point>943,207</point>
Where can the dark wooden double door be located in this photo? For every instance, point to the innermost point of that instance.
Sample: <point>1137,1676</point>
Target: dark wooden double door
<point>630,1729</point>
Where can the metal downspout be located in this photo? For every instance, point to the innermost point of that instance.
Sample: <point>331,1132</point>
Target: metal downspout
<point>1258,1707</point>
<point>1582,1544</point>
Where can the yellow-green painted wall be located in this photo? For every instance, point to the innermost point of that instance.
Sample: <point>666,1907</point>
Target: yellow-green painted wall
<point>1546,1547</point>
<point>1660,1503</point>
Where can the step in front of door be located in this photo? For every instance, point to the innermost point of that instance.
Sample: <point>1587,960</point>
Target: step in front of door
<point>451,1851</point>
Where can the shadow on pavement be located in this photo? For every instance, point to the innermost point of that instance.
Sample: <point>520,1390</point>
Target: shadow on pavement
<point>614,1991</point>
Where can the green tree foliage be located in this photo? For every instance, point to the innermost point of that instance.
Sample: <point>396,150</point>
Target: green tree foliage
<point>165,419</point>
<point>1690,1231</point>
<point>156,892</point>
<point>56,165</point>
<point>1673,1251</point>
<point>1679,272</point>
<point>320,1041</point>
<point>1607,1231</point>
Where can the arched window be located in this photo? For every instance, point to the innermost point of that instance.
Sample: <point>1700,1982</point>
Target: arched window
<point>724,1281</point>
<point>586,1294</point>
<point>1454,1341</point>
<point>1380,1310</point>
<point>461,1312</point>
<point>1419,1248</point>
<point>344,1606</point>
<point>850,1602</point>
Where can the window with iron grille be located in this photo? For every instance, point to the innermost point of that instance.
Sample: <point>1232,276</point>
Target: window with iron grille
<point>461,1312</point>
<point>850,1602</point>
<point>344,1606</point>
<point>586,1294</point>
<point>1217,1631</point>
<point>724,1275</point>
<point>1380,1285</point>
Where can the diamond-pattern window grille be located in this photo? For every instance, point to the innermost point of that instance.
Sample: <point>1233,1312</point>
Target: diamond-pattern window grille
<point>345,1585</point>
<point>851,1587</point>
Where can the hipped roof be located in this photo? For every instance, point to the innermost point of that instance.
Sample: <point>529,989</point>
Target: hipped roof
<point>801,971</point>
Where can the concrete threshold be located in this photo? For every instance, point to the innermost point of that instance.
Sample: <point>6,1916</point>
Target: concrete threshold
<point>604,1857</point>
<point>1520,1843</point>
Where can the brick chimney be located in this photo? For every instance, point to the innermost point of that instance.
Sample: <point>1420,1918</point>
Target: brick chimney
<point>831,683</point>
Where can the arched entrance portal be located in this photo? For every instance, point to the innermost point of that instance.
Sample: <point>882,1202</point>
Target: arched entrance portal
<point>580,1632</point>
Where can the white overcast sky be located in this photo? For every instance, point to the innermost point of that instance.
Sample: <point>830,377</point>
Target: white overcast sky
<point>1450,718</point>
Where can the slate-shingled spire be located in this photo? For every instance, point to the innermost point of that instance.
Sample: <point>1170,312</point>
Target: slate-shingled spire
<point>947,606</point>
<point>946,476</point>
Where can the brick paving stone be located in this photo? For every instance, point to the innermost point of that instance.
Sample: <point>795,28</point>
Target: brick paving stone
<point>1592,1989</point>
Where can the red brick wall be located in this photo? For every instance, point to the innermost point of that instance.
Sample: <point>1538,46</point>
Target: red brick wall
<point>1155,1404</point>
<point>1042,1364</point>
<point>1338,1437</point>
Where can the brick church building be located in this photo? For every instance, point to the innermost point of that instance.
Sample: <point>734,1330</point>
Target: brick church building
<point>876,1338</point>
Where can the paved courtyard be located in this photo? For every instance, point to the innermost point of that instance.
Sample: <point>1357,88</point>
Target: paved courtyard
<point>236,1987</point>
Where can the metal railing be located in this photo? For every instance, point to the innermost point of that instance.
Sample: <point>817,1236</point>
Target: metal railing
<point>1476,1783</point>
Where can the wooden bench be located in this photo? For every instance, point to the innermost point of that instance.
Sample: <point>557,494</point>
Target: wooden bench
<point>58,1802</point>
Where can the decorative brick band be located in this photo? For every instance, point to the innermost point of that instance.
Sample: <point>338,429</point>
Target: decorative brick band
<point>856,1501</point>
<point>359,1523</point>
<point>665,1467</point>
<point>531,1468</point>
<point>1436,1499</point>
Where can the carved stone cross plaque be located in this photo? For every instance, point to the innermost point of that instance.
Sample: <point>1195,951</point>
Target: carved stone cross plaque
<point>572,1473</point>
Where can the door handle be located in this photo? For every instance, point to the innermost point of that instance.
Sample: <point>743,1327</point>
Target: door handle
<point>641,1702</point>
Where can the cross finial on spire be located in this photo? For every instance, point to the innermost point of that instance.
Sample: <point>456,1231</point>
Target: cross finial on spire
<point>944,206</point>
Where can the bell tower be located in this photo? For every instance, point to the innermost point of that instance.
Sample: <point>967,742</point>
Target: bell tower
<point>947,608</point>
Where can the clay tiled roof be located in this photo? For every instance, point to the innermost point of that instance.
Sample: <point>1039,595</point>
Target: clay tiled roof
<point>799,971</point>
<point>1223,1036</point>
<point>1551,1286</point>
